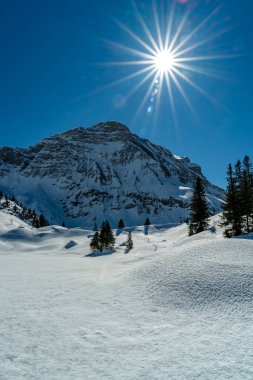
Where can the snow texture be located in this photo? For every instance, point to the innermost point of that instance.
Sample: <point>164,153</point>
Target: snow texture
<point>173,308</point>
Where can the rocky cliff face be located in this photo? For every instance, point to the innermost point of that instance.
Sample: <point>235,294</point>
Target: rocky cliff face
<point>105,171</point>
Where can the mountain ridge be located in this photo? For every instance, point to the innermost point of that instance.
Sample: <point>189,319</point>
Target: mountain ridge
<point>86,174</point>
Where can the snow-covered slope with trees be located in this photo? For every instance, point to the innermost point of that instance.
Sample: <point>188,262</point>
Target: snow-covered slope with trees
<point>174,307</point>
<point>15,208</point>
<point>84,175</point>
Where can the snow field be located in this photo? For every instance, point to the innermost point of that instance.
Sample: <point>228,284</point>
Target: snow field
<point>172,308</point>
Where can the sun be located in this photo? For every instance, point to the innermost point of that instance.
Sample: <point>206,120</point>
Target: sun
<point>171,54</point>
<point>164,61</point>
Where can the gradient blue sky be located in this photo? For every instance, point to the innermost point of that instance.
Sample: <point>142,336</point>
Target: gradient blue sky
<point>49,78</point>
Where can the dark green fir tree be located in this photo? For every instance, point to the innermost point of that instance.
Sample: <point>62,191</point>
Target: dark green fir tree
<point>106,237</point>
<point>231,217</point>
<point>199,211</point>
<point>129,242</point>
<point>121,224</point>
<point>147,222</point>
<point>246,195</point>
<point>42,221</point>
<point>95,227</point>
<point>95,242</point>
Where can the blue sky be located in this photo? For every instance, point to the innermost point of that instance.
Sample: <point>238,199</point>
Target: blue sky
<point>50,77</point>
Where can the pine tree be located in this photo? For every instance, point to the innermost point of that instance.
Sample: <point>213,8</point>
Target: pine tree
<point>95,227</point>
<point>129,242</point>
<point>238,172</point>
<point>246,194</point>
<point>35,221</point>
<point>95,242</point>
<point>147,222</point>
<point>7,202</point>
<point>63,224</point>
<point>106,236</point>
<point>42,221</point>
<point>199,211</point>
<point>231,218</point>
<point>121,224</point>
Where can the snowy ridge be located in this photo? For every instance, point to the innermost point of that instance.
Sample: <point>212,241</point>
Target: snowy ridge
<point>104,171</point>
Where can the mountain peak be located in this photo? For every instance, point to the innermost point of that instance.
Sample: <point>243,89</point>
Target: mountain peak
<point>105,171</point>
<point>109,127</point>
<point>108,130</point>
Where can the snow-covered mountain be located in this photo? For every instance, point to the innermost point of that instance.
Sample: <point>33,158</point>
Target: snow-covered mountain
<point>105,171</point>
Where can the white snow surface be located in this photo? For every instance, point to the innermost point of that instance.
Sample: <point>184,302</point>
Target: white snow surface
<point>174,307</point>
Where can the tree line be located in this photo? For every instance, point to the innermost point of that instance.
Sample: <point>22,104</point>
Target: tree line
<point>237,215</point>
<point>22,212</point>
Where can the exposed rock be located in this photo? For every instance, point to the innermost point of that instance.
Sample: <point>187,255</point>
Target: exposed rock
<point>105,171</point>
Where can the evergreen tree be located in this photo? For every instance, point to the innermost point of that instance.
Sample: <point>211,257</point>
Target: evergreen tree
<point>35,221</point>
<point>95,227</point>
<point>129,242</point>
<point>238,172</point>
<point>147,222</point>
<point>42,221</point>
<point>199,211</point>
<point>121,224</point>
<point>95,242</point>
<point>106,236</point>
<point>63,224</point>
<point>231,218</point>
<point>246,194</point>
<point>6,202</point>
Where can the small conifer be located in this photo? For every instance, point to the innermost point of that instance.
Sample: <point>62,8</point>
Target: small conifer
<point>95,242</point>
<point>199,211</point>
<point>121,224</point>
<point>129,242</point>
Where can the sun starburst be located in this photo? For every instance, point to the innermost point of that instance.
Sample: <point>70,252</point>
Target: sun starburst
<point>168,56</point>
<point>164,61</point>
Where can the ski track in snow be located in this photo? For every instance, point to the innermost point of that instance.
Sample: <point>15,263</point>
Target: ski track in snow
<point>173,308</point>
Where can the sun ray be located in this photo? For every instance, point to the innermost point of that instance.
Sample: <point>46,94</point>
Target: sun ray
<point>126,63</point>
<point>157,25</point>
<point>207,58</point>
<point>195,30</point>
<point>200,43</point>
<point>134,36</point>
<point>183,94</point>
<point>122,80</point>
<point>205,72</point>
<point>158,100</point>
<point>145,28</point>
<point>135,52</point>
<point>178,31</point>
<point>146,96</point>
<point>195,86</point>
<point>141,83</point>
<point>171,99</point>
<point>169,27</point>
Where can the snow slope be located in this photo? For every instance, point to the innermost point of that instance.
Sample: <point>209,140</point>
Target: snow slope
<point>172,308</point>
